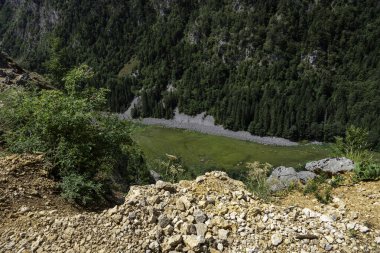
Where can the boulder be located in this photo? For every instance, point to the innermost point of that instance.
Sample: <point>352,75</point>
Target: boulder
<point>331,165</point>
<point>305,176</point>
<point>281,178</point>
<point>155,176</point>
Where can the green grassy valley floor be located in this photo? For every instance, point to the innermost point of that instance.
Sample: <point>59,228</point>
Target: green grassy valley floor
<point>201,150</point>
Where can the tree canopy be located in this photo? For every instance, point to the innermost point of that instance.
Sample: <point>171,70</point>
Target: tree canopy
<point>299,69</point>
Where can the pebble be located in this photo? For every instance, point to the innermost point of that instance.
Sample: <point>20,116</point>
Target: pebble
<point>276,239</point>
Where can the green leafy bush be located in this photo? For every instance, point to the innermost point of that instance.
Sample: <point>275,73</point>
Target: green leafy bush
<point>89,150</point>
<point>367,171</point>
<point>354,145</point>
<point>77,188</point>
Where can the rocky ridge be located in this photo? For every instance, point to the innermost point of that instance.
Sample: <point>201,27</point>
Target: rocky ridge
<point>213,213</point>
<point>11,74</point>
<point>282,177</point>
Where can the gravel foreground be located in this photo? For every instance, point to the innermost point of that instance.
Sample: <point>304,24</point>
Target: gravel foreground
<point>203,123</point>
<point>213,213</point>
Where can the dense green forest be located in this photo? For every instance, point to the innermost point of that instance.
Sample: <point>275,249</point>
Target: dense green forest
<point>299,69</point>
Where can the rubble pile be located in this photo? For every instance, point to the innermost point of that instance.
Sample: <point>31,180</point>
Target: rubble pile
<point>213,213</point>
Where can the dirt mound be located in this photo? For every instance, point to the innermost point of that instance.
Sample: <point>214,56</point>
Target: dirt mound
<point>213,213</point>
<point>361,199</point>
<point>25,186</point>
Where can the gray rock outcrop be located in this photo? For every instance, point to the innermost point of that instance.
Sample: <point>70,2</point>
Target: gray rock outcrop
<point>155,175</point>
<point>331,165</point>
<point>305,176</point>
<point>283,177</point>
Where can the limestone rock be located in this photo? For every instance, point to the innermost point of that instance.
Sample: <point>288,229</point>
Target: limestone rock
<point>223,234</point>
<point>161,185</point>
<point>154,175</point>
<point>183,203</point>
<point>24,209</point>
<point>325,218</point>
<point>172,242</point>
<point>201,229</point>
<point>193,241</point>
<point>276,239</point>
<point>199,216</point>
<point>282,177</point>
<point>331,165</point>
<point>163,220</point>
<point>305,176</point>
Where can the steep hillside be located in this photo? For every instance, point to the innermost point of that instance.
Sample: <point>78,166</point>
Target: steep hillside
<point>11,75</point>
<point>298,69</point>
<point>211,214</point>
<point>25,183</point>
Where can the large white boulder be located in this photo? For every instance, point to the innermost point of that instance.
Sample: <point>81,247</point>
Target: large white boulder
<point>331,165</point>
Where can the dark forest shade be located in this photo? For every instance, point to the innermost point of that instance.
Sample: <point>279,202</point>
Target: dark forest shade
<point>297,69</point>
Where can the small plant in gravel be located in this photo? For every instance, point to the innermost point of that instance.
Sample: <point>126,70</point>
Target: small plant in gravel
<point>336,181</point>
<point>257,178</point>
<point>324,195</point>
<point>78,189</point>
<point>320,188</point>
<point>172,168</point>
<point>310,187</point>
<point>353,233</point>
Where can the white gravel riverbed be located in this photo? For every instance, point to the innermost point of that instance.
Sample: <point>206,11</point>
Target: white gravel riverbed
<point>206,124</point>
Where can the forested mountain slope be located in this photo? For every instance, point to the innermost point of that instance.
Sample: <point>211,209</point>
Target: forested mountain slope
<point>298,69</point>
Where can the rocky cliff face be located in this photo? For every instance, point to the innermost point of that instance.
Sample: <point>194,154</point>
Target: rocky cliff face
<point>25,27</point>
<point>11,75</point>
<point>210,214</point>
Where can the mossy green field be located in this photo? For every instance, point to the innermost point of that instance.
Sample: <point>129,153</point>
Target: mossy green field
<point>202,150</point>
